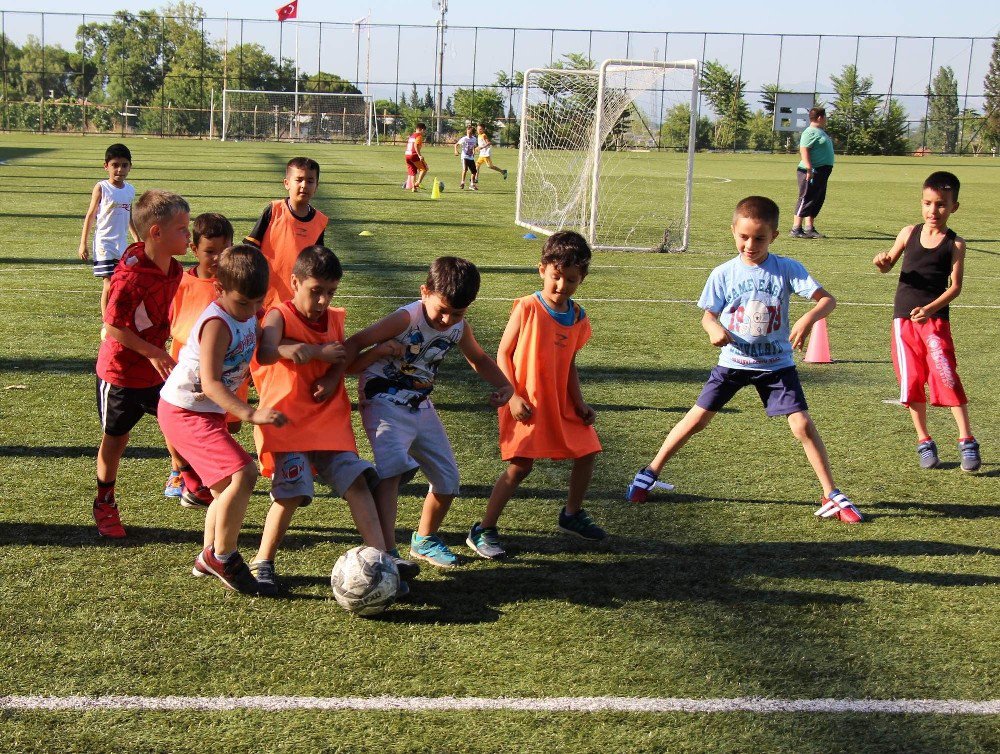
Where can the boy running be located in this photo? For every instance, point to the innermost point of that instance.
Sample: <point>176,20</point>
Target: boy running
<point>111,208</point>
<point>395,387</point>
<point>746,315</point>
<point>547,416</point>
<point>467,146</point>
<point>923,352</point>
<point>416,165</point>
<point>484,145</point>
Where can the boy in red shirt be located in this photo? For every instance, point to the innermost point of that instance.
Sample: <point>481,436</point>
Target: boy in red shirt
<point>132,364</point>
<point>416,166</point>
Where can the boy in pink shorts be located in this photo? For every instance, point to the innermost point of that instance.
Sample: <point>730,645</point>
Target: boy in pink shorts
<point>213,364</point>
<point>923,352</point>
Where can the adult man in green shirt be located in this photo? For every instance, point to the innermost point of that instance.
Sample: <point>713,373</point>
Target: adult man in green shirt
<point>814,171</point>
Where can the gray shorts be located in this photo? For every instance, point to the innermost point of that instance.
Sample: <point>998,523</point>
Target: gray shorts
<point>405,440</point>
<point>293,473</point>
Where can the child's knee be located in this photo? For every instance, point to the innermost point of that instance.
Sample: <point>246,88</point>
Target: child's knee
<point>519,468</point>
<point>801,425</point>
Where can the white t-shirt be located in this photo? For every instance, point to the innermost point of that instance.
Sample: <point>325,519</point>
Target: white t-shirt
<point>111,227</point>
<point>468,146</point>
<point>183,386</point>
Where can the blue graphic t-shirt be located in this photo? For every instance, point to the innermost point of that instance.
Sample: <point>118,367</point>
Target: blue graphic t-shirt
<point>752,304</point>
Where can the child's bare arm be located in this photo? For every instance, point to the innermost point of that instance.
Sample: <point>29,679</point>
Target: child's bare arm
<point>825,303</point>
<point>485,367</point>
<point>886,259</point>
<point>520,407</point>
<point>385,329</point>
<point>160,359</point>
<point>88,221</point>
<point>717,334</point>
<point>214,340</point>
<point>583,410</point>
<point>274,346</point>
<point>390,348</point>
<point>922,313</point>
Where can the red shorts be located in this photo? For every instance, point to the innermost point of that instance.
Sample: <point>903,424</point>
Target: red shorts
<point>203,441</point>
<point>414,163</point>
<point>924,354</point>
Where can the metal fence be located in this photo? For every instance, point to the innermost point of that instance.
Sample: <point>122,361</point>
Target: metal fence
<point>51,84</point>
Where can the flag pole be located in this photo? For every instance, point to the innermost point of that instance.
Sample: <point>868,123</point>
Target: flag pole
<point>297,78</point>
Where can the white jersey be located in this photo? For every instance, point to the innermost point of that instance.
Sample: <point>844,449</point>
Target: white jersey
<point>467,144</point>
<point>183,386</point>
<point>484,148</point>
<point>113,214</point>
<point>409,379</point>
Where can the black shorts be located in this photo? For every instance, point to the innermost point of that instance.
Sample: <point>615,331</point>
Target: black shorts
<point>121,408</point>
<point>470,165</point>
<point>780,392</point>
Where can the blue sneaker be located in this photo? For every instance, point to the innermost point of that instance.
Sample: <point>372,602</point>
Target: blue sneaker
<point>582,525</point>
<point>433,550</point>
<point>485,542</point>
<point>971,460</point>
<point>175,485</point>
<point>927,450</point>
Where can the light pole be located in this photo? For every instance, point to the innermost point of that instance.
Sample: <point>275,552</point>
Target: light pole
<point>442,25</point>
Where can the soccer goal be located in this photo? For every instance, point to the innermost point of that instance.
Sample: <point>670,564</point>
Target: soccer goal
<point>602,153</point>
<point>297,116</point>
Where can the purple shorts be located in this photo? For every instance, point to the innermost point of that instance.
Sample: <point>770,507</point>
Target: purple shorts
<point>780,391</point>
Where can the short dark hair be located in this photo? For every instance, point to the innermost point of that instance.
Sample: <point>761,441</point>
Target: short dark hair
<point>758,208</point>
<point>420,126</point>
<point>242,268</point>
<point>317,262</point>
<point>942,181</point>
<point>117,150</point>
<point>303,163</point>
<point>454,279</point>
<point>567,248</point>
<point>211,225</point>
<point>816,112</point>
<point>154,207</point>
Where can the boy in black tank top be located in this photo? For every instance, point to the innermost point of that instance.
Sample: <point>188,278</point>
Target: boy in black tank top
<point>923,352</point>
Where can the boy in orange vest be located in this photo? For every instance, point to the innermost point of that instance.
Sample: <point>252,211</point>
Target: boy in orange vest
<point>300,371</point>
<point>547,416</point>
<point>287,226</point>
<point>211,234</point>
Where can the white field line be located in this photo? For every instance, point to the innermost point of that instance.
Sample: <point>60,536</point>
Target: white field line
<point>647,705</point>
<point>503,299</point>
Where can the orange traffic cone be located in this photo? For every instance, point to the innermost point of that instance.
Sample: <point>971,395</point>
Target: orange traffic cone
<point>818,351</point>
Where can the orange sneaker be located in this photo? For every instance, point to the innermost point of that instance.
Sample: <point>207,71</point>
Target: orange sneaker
<point>109,523</point>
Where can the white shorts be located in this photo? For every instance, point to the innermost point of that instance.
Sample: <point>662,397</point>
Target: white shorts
<point>293,473</point>
<point>406,440</point>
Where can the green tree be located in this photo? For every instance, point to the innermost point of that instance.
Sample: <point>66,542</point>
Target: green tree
<point>250,66</point>
<point>760,132</point>
<point>942,112</point>
<point>724,90</point>
<point>677,125</point>
<point>860,122</point>
<point>327,82</point>
<point>478,106</point>
<point>129,52</point>
<point>991,89</point>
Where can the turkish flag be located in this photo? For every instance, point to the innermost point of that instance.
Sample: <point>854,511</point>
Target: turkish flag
<point>286,12</point>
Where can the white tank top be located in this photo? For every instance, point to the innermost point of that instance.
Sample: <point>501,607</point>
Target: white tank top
<point>113,213</point>
<point>183,386</point>
<point>408,380</point>
<point>484,151</point>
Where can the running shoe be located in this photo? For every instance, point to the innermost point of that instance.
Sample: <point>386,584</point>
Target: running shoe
<point>485,542</point>
<point>798,233</point>
<point>109,523</point>
<point>263,571</point>
<point>433,550</point>
<point>812,233</point>
<point>582,525</point>
<point>837,505</point>
<point>928,452</point>
<point>174,486</point>
<point>971,460</point>
<point>233,573</point>
<point>408,570</point>
<point>199,498</point>
<point>643,482</point>
<point>505,175</point>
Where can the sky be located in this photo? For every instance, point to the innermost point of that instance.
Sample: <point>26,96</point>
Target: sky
<point>921,17</point>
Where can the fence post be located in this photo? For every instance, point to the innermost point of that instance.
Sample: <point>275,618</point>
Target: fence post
<point>927,98</point>
<point>965,102</point>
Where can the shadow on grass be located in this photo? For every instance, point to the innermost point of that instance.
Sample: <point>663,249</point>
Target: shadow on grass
<point>64,261</point>
<point>76,451</point>
<point>49,365</point>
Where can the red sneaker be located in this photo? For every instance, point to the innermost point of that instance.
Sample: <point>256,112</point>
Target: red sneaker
<point>109,523</point>
<point>233,574</point>
<point>200,497</point>
<point>840,507</point>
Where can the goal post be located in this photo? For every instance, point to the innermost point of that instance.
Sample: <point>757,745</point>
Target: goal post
<point>610,153</point>
<point>257,115</point>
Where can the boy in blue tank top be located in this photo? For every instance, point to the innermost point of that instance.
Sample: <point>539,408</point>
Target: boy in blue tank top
<point>923,352</point>
<point>745,303</point>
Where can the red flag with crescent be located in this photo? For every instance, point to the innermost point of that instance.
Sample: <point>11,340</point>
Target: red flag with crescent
<point>286,12</point>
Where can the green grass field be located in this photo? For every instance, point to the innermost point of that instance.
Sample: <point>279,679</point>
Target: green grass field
<point>728,588</point>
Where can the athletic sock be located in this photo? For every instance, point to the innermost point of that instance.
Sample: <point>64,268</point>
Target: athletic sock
<point>926,439</point>
<point>191,480</point>
<point>970,438</point>
<point>106,492</point>
<point>225,558</point>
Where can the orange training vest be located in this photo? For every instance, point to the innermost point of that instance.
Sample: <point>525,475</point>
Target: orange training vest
<point>191,299</point>
<point>286,236</point>
<point>542,360</point>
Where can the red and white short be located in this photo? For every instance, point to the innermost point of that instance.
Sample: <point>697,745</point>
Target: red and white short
<point>201,439</point>
<point>924,354</point>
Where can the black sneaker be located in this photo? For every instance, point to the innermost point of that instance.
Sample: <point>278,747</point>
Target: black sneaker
<point>812,233</point>
<point>233,573</point>
<point>798,233</point>
<point>408,570</point>
<point>263,571</point>
<point>582,525</point>
<point>971,460</point>
<point>928,452</point>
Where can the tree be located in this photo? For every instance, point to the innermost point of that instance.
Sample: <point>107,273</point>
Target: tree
<point>479,106</point>
<point>861,123</point>
<point>991,90</point>
<point>677,125</point>
<point>250,66</point>
<point>941,133</point>
<point>724,91</point>
<point>327,82</point>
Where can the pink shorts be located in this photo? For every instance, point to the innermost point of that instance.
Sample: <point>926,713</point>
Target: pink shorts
<point>203,441</point>
<point>924,354</point>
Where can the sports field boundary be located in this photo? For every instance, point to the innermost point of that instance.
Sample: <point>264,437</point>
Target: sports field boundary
<point>584,704</point>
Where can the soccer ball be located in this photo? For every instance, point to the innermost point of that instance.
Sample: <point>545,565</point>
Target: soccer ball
<point>364,581</point>
<point>440,185</point>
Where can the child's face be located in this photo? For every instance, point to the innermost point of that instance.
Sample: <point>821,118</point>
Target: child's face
<point>438,310</point>
<point>559,284</point>
<point>753,237</point>
<point>936,207</point>
<point>312,296</point>
<point>172,235</point>
<point>207,252</point>
<point>301,184</point>
<point>118,169</point>
<point>237,305</point>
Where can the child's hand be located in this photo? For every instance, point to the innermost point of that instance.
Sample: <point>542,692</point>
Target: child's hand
<point>883,261</point>
<point>586,413</point>
<point>520,409</point>
<point>798,334</point>
<point>163,364</point>
<point>332,353</point>
<point>391,349</point>
<point>267,415</point>
<point>501,396</point>
<point>84,252</point>
<point>918,315</point>
<point>720,337</point>
<point>323,389</point>
<point>300,353</point>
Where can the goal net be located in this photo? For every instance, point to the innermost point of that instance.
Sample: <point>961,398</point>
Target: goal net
<point>602,153</point>
<point>297,116</point>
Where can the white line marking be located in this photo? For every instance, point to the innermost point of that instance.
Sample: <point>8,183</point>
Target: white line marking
<point>522,704</point>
